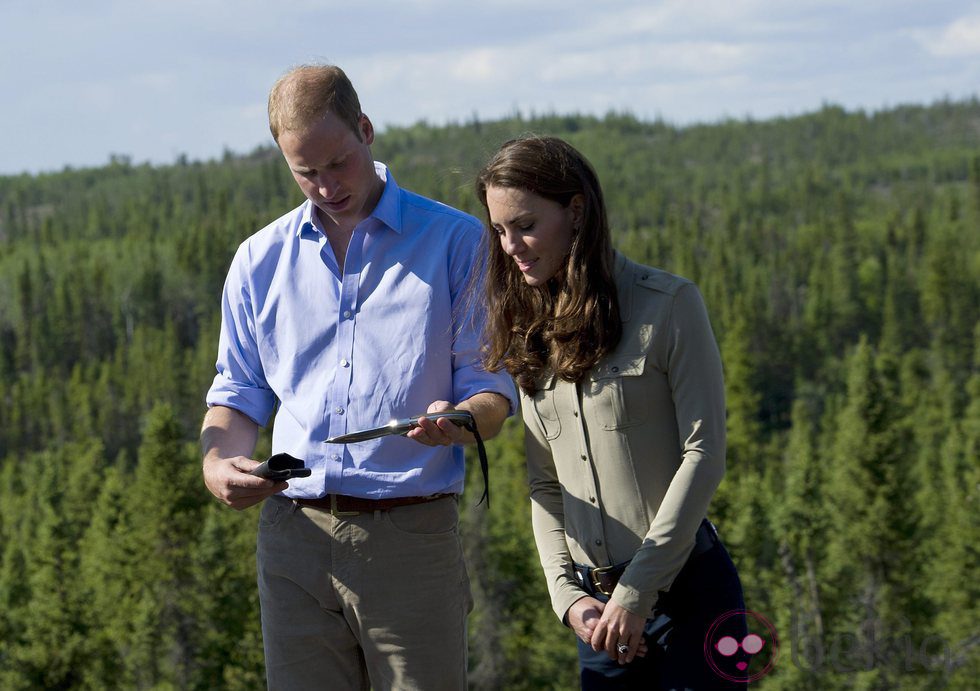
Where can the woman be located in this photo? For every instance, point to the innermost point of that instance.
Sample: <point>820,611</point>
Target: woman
<point>624,410</point>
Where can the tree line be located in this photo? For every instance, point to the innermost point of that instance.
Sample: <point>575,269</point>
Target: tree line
<point>839,256</point>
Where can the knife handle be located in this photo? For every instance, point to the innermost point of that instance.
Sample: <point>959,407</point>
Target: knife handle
<point>460,418</point>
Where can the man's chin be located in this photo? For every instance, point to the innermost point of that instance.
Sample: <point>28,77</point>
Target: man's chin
<point>334,208</point>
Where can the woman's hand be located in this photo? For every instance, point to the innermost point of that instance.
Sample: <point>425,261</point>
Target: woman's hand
<point>583,616</point>
<point>617,626</point>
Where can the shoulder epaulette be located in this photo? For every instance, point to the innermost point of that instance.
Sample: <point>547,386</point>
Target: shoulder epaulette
<point>656,279</point>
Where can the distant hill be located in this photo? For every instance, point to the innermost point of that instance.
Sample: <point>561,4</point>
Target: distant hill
<point>839,256</point>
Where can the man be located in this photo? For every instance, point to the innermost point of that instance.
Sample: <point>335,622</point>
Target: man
<point>349,311</point>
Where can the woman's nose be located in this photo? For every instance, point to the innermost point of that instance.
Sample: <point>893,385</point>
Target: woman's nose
<point>512,243</point>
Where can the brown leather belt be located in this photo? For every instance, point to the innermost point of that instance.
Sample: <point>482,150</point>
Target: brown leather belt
<point>342,505</point>
<point>603,579</point>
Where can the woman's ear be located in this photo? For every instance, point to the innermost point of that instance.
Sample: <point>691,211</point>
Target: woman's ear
<point>577,207</point>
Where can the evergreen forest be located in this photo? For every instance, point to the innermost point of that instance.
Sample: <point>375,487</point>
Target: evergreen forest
<point>839,256</point>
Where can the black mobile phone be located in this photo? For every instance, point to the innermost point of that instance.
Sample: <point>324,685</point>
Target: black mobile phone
<point>281,467</point>
<point>657,629</point>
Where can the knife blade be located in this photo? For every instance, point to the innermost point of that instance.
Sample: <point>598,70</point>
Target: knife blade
<point>461,418</point>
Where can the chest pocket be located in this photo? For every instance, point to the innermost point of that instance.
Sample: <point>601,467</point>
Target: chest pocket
<point>617,392</point>
<point>545,409</point>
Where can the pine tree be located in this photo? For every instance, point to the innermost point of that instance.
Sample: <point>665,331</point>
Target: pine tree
<point>163,518</point>
<point>800,524</point>
<point>225,602</point>
<point>951,576</point>
<point>14,575</point>
<point>54,646</point>
<point>515,639</point>
<point>744,457</point>
<point>871,546</point>
<point>106,581</point>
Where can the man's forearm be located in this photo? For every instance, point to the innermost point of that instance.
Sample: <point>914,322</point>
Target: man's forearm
<point>228,441</point>
<point>489,410</point>
<point>227,433</point>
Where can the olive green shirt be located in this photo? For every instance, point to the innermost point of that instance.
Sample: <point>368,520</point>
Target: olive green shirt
<point>623,464</point>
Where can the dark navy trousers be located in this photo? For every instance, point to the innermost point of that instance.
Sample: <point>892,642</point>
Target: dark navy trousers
<point>705,590</point>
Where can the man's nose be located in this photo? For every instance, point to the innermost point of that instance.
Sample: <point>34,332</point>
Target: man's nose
<point>326,186</point>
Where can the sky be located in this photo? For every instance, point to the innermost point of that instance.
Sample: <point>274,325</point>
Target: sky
<point>157,79</point>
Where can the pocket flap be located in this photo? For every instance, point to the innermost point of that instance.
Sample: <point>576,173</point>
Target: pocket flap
<point>621,366</point>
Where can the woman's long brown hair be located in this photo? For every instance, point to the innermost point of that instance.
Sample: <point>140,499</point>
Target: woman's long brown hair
<point>567,325</point>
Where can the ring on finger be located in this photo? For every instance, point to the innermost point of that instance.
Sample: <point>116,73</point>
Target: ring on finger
<point>622,648</point>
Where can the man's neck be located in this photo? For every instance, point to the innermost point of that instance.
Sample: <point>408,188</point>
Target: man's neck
<point>339,234</point>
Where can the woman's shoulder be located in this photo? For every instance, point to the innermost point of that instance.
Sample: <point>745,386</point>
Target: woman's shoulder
<point>632,273</point>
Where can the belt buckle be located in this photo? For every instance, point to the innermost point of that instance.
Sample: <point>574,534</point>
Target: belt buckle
<point>595,581</point>
<point>333,508</point>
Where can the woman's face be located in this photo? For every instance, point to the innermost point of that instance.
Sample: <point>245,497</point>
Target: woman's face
<point>534,231</point>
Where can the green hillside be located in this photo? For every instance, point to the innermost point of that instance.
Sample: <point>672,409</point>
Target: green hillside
<point>839,255</point>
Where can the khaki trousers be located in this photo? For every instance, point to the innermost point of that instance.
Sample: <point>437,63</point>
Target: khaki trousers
<point>374,600</point>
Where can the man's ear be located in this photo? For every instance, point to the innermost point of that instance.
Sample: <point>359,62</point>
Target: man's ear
<point>367,129</point>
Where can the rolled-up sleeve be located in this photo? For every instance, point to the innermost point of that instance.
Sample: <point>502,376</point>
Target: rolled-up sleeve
<point>469,375</point>
<point>240,382</point>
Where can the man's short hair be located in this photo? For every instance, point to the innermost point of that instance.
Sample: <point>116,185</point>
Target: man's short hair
<point>302,96</point>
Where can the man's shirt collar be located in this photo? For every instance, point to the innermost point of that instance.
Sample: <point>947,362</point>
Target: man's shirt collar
<point>387,212</point>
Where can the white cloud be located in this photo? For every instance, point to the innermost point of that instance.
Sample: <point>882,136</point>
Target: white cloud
<point>959,39</point>
<point>192,75</point>
<point>482,65</point>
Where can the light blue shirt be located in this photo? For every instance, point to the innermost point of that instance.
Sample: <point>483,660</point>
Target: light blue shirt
<point>346,350</point>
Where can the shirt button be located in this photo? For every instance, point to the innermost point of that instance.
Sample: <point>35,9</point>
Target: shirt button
<point>598,541</point>
<point>615,369</point>
<point>346,314</point>
<point>344,363</point>
<point>575,413</point>
<point>338,410</point>
<point>584,457</point>
<point>336,457</point>
<point>592,499</point>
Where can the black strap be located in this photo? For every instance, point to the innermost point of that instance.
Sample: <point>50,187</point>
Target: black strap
<point>484,464</point>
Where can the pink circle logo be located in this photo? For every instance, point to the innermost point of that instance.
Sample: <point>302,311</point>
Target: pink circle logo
<point>741,654</point>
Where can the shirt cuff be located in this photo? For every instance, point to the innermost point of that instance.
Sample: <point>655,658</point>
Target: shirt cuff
<point>257,404</point>
<point>635,601</point>
<point>564,598</point>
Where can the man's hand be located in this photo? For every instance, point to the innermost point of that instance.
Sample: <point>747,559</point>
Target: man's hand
<point>228,479</point>
<point>227,439</point>
<point>618,625</point>
<point>489,410</point>
<point>436,431</point>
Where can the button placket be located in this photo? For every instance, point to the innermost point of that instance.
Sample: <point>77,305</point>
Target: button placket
<point>339,388</point>
<point>589,485</point>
